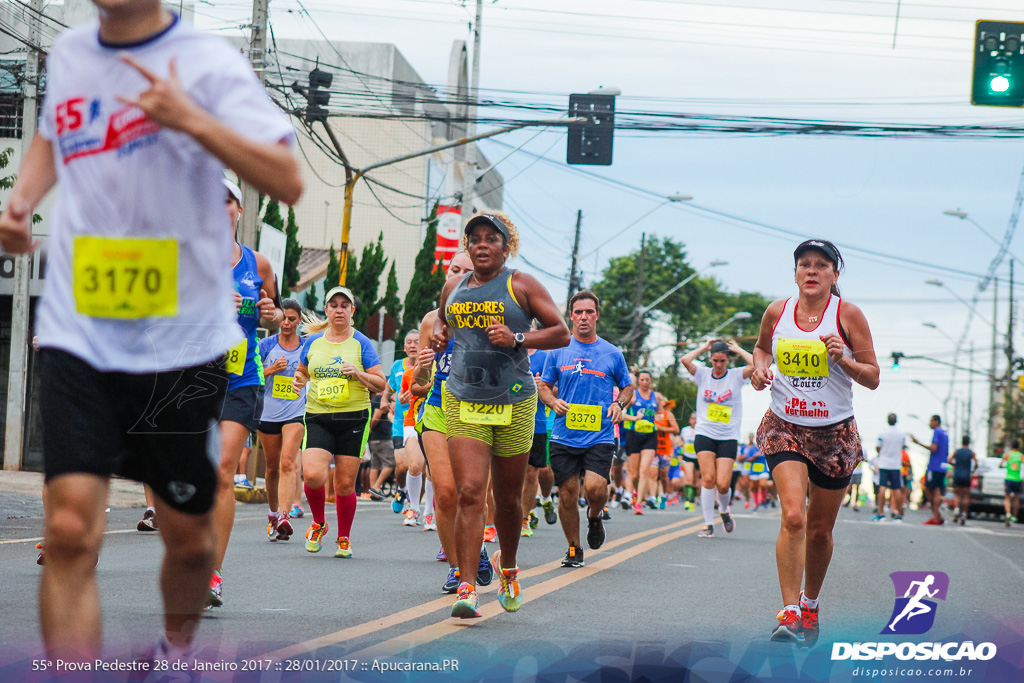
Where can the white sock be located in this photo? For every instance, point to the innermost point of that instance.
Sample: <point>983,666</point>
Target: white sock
<point>238,478</point>
<point>545,501</point>
<point>813,604</point>
<point>151,509</point>
<point>707,505</point>
<point>723,501</point>
<point>415,486</point>
<point>428,498</point>
<point>792,608</point>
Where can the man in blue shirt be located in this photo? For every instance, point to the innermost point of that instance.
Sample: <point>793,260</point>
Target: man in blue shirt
<point>935,484</point>
<point>583,440</point>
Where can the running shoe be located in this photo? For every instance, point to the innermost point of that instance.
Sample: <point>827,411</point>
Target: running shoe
<point>272,521</point>
<point>809,622</point>
<point>651,503</point>
<point>595,533</point>
<point>466,606</point>
<point>527,531</point>
<point>1007,520</point>
<point>661,502</point>
<point>398,504</point>
<point>746,505</point>
<point>216,596</point>
<point>160,656</point>
<point>638,508</point>
<point>509,595</point>
<point>284,528</point>
<point>550,516</point>
<point>490,534</point>
<point>534,520</point>
<point>428,523</point>
<point>296,511</point>
<point>376,495</point>
<point>148,521</point>
<point>878,518</point>
<point>728,523</point>
<point>40,557</point>
<point>931,521</point>
<point>452,583</point>
<point>626,501</point>
<point>706,532</point>
<point>344,548</point>
<point>605,515</point>
<point>411,518</point>
<point>441,557</point>
<point>899,520</point>
<point>244,483</point>
<point>789,628</point>
<point>573,557</point>
<point>484,574</point>
<point>688,506</point>
<point>963,520</point>
<point>314,537</point>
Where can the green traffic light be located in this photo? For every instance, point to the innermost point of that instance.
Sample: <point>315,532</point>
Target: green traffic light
<point>999,84</point>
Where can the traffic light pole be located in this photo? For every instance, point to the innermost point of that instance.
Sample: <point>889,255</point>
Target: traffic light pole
<point>352,175</point>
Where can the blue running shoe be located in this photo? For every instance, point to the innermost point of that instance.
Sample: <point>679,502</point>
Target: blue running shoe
<point>398,504</point>
<point>296,511</point>
<point>452,584</point>
<point>484,573</point>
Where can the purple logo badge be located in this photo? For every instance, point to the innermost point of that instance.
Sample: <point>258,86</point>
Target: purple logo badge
<point>916,592</point>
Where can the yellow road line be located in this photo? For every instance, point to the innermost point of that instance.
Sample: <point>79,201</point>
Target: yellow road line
<point>431,632</point>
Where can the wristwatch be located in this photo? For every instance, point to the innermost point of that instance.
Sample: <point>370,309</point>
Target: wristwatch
<point>520,338</point>
<point>620,405</point>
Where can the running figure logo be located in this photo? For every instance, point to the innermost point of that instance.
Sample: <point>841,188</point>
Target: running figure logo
<point>914,612</point>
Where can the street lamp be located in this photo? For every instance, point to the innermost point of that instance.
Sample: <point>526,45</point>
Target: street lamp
<point>964,216</point>
<point>933,326</point>
<point>738,315</point>
<point>672,198</point>
<point>939,283</point>
<point>644,310</point>
<point>928,389</point>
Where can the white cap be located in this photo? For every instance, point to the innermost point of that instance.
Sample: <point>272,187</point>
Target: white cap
<point>233,191</point>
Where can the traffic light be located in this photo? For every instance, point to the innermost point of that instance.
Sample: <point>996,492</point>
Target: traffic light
<point>591,142</point>
<point>896,356</point>
<point>998,64</point>
<point>317,99</point>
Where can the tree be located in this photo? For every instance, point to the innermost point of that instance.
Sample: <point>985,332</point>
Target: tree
<point>7,182</point>
<point>312,302</point>
<point>364,281</point>
<point>292,254</point>
<point>427,279</point>
<point>272,216</point>
<point>390,303</point>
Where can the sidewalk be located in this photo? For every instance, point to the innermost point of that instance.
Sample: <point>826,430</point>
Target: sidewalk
<point>21,494</point>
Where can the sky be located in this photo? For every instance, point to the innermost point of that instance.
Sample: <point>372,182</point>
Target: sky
<point>815,59</point>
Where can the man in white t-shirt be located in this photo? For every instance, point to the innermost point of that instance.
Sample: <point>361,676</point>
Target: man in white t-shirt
<point>890,446</point>
<point>142,113</point>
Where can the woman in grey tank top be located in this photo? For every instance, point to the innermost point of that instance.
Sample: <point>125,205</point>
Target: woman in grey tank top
<point>490,397</point>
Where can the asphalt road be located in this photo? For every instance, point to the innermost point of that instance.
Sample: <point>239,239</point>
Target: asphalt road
<point>654,600</point>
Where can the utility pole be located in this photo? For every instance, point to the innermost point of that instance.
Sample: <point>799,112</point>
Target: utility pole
<point>638,297</point>
<point>1008,392</point>
<point>469,170</point>
<point>574,284</point>
<point>992,372</point>
<point>970,391</point>
<point>248,233</point>
<point>17,377</point>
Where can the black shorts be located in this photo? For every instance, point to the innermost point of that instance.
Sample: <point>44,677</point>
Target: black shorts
<point>936,480</point>
<point>539,450</point>
<point>398,441</point>
<point>962,482</point>
<point>338,433</point>
<point>640,442</point>
<point>817,477</point>
<point>890,479</point>
<point>570,461</point>
<point>244,405</point>
<point>721,448</point>
<point>157,428</point>
<point>274,428</point>
<point>1013,487</point>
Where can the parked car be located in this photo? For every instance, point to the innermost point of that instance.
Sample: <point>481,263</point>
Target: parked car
<point>987,487</point>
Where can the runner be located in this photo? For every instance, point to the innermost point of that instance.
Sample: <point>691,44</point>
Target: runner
<point>148,521</point>
<point>757,468</point>
<point>689,456</point>
<point>490,395</point>
<point>583,440</point>
<point>1012,462</point>
<point>641,438</point>
<point>964,463</point>
<point>281,426</point>
<point>935,484</point>
<point>719,413</point>
<point>433,433</point>
<point>808,434</point>
<point>341,367</point>
<point>667,427</point>
<point>411,346</point>
<point>125,204</point>
<point>890,445</point>
<point>255,294</point>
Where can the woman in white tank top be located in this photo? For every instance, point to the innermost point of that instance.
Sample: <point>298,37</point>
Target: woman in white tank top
<point>821,345</point>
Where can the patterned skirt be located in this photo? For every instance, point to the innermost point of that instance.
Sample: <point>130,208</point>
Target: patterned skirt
<point>835,449</point>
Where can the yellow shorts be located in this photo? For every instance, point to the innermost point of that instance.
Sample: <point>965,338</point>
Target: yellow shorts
<point>433,420</point>
<point>505,442</point>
